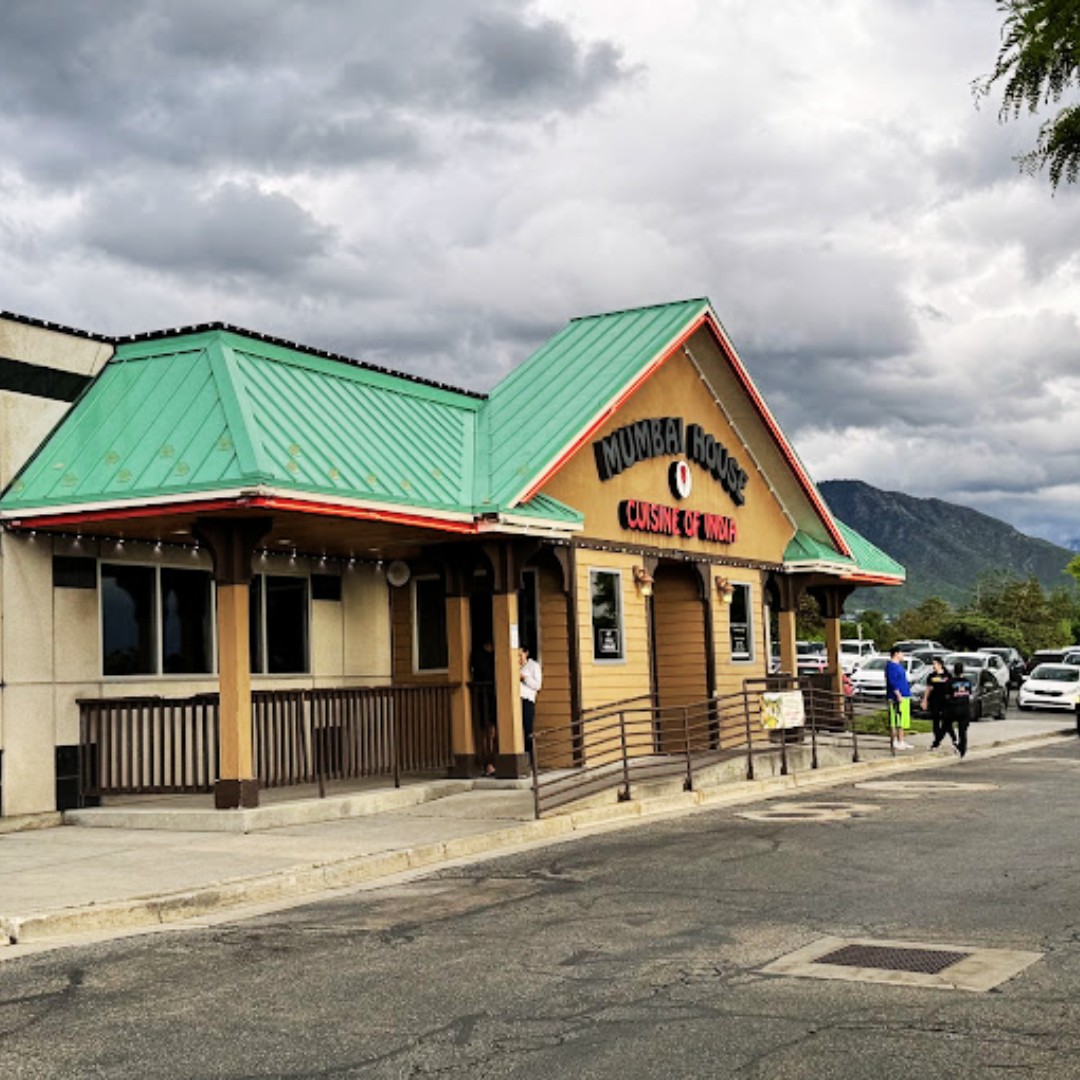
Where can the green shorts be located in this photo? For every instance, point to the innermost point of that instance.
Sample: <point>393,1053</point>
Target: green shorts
<point>900,713</point>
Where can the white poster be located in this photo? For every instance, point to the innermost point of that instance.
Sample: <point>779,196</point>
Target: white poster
<point>782,709</point>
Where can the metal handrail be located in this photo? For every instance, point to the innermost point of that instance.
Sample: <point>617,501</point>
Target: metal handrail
<point>625,743</point>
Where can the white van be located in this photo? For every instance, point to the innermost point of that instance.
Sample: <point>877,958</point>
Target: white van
<point>853,651</point>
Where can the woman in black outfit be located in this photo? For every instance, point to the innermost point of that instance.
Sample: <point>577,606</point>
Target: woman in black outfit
<point>938,699</point>
<point>960,693</point>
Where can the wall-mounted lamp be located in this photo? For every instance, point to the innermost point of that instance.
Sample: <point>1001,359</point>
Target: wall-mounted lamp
<point>643,580</point>
<point>725,589</point>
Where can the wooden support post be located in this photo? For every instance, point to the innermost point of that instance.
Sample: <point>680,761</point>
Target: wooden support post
<point>512,761</point>
<point>458,642</point>
<point>232,543</point>
<point>789,662</point>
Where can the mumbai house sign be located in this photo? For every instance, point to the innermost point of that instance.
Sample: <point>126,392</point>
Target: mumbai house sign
<point>670,436</point>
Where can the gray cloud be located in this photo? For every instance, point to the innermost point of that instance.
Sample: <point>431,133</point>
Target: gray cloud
<point>437,186</point>
<point>276,86</point>
<point>234,229</point>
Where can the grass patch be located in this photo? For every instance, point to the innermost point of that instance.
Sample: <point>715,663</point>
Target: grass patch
<point>878,724</point>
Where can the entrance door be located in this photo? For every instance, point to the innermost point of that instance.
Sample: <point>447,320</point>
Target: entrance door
<point>680,667</point>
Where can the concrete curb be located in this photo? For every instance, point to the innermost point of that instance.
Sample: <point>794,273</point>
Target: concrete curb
<point>296,882</point>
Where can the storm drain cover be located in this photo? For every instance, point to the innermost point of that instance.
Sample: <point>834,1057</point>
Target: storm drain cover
<point>904,963</point>
<point>888,958</point>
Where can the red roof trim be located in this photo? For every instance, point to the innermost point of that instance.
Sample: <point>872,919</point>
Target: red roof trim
<point>874,579</point>
<point>245,503</point>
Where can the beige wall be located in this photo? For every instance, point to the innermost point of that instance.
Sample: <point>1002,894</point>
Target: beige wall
<point>25,420</point>
<point>675,390</point>
<point>50,651</point>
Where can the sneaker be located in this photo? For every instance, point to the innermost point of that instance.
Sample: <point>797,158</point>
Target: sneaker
<point>934,745</point>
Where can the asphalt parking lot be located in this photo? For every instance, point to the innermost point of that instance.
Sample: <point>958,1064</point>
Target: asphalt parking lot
<point>640,953</point>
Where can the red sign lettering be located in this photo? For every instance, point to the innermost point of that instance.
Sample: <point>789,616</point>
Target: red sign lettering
<point>649,517</point>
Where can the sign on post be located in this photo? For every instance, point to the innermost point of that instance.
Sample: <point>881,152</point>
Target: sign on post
<point>782,709</point>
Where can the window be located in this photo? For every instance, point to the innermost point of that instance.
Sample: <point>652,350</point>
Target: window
<point>605,588</point>
<point>156,620</point>
<point>278,621</point>
<point>741,628</point>
<point>429,624</point>
<point>129,645</point>
<point>187,618</point>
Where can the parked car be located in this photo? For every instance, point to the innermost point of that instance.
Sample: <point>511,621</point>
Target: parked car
<point>1045,656</point>
<point>1013,661</point>
<point>869,680</point>
<point>853,651</point>
<point>988,698</point>
<point>907,647</point>
<point>1051,686</point>
<point>928,656</point>
<point>810,657</point>
<point>982,661</point>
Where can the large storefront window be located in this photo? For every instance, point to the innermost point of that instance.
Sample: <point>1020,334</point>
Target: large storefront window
<point>740,624</point>
<point>430,651</point>
<point>278,623</point>
<point>129,645</point>
<point>187,617</point>
<point>156,620</point>
<point>605,587</point>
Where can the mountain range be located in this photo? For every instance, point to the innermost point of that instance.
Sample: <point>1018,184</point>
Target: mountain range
<point>946,548</point>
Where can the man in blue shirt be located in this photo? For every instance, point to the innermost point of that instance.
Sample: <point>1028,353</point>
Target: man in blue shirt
<point>898,695</point>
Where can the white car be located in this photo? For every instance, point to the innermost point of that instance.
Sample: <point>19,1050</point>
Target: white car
<point>853,652</point>
<point>1051,686</point>
<point>869,680</point>
<point>978,660</point>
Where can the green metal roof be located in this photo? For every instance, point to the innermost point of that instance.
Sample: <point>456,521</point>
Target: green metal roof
<point>218,411</point>
<point>867,559</point>
<point>545,404</point>
<point>549,509</point>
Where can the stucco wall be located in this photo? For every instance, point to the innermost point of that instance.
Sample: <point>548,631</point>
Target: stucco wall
<point>50,650</point>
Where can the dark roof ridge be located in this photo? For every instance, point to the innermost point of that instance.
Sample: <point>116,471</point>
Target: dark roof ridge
<point>44,324</point>
<point>309,350</point>
<point>643,307</point>
<point>209,327</point>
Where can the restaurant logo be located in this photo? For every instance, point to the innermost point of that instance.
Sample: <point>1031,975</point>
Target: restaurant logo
<point>671,436</point>
<point>680,480</point>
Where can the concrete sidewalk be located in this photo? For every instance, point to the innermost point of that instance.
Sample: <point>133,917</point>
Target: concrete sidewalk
<point>56,883</point>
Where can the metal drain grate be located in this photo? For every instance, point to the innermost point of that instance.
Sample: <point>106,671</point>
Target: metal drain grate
<point>890,958</point>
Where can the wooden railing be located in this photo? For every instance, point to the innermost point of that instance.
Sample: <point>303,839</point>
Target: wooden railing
<point>153,745</point>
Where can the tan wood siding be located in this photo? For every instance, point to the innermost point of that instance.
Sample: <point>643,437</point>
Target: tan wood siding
<point>553,701</point>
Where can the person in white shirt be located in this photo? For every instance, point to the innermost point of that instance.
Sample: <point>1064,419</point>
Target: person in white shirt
<point>531,679</point>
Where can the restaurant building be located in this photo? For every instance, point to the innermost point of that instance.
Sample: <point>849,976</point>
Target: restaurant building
<point>205,518</point>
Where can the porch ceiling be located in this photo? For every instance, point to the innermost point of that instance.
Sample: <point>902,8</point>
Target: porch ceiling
<point>306,533</point>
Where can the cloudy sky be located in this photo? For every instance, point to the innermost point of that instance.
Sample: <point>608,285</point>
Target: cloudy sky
<point>438,185</point>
